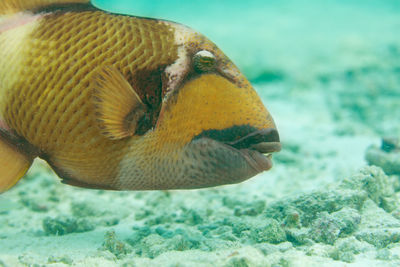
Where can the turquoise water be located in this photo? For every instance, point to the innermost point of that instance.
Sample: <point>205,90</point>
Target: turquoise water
<point>263,30</point>
<point>329,73</point>
<point>302,42</point>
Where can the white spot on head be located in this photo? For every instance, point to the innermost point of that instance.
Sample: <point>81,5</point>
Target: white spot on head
<point>177,70</point>
<point>183,34</point>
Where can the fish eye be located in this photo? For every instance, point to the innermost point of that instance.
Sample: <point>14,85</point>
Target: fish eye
<point>204,61</point>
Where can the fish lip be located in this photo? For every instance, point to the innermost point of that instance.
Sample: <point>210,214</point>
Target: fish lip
<point>255,145</point>
<point>215,162</point>
<point>266,135</point>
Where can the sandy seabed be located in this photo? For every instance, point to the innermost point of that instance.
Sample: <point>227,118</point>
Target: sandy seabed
<point>330,75</point>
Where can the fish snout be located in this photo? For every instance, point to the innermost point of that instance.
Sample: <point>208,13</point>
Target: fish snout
<point>212,162</point>
<point>257,148</point>
<point>220,130</point>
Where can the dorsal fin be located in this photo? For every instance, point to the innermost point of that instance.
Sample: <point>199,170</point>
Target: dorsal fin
<point>15,6</point>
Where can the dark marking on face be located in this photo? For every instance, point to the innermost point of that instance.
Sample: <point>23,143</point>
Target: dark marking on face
<point>227,135</point>
<point>148,85</point>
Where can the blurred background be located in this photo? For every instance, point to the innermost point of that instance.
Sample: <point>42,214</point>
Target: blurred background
<point>329,73</point>
<point>281,34</point>
<point>349,50</point>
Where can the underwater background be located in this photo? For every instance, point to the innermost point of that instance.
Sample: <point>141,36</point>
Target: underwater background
<point>329,73</point>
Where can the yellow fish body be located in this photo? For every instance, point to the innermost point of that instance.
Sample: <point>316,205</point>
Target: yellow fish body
<point>120,102</point>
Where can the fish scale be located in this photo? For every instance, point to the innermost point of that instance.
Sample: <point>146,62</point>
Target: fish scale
<point>68,119</point>
<point>68,84</point>
<point>120,102</point>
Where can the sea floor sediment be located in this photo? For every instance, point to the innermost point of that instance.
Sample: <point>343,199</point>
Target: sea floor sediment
<point>331,199</point>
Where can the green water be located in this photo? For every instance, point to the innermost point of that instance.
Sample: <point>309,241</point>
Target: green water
<point>329,73</point>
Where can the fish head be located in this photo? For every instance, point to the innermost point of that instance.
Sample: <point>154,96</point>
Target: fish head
<point>213,128</point>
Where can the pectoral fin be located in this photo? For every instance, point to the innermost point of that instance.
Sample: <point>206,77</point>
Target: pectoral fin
<point>13,165</point>
<point>118,107</point>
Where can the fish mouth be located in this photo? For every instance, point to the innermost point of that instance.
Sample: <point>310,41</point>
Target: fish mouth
<point>257,148</point>
<point>228,156</point>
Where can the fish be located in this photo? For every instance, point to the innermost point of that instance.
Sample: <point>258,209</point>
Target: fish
<point>121,102</point>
